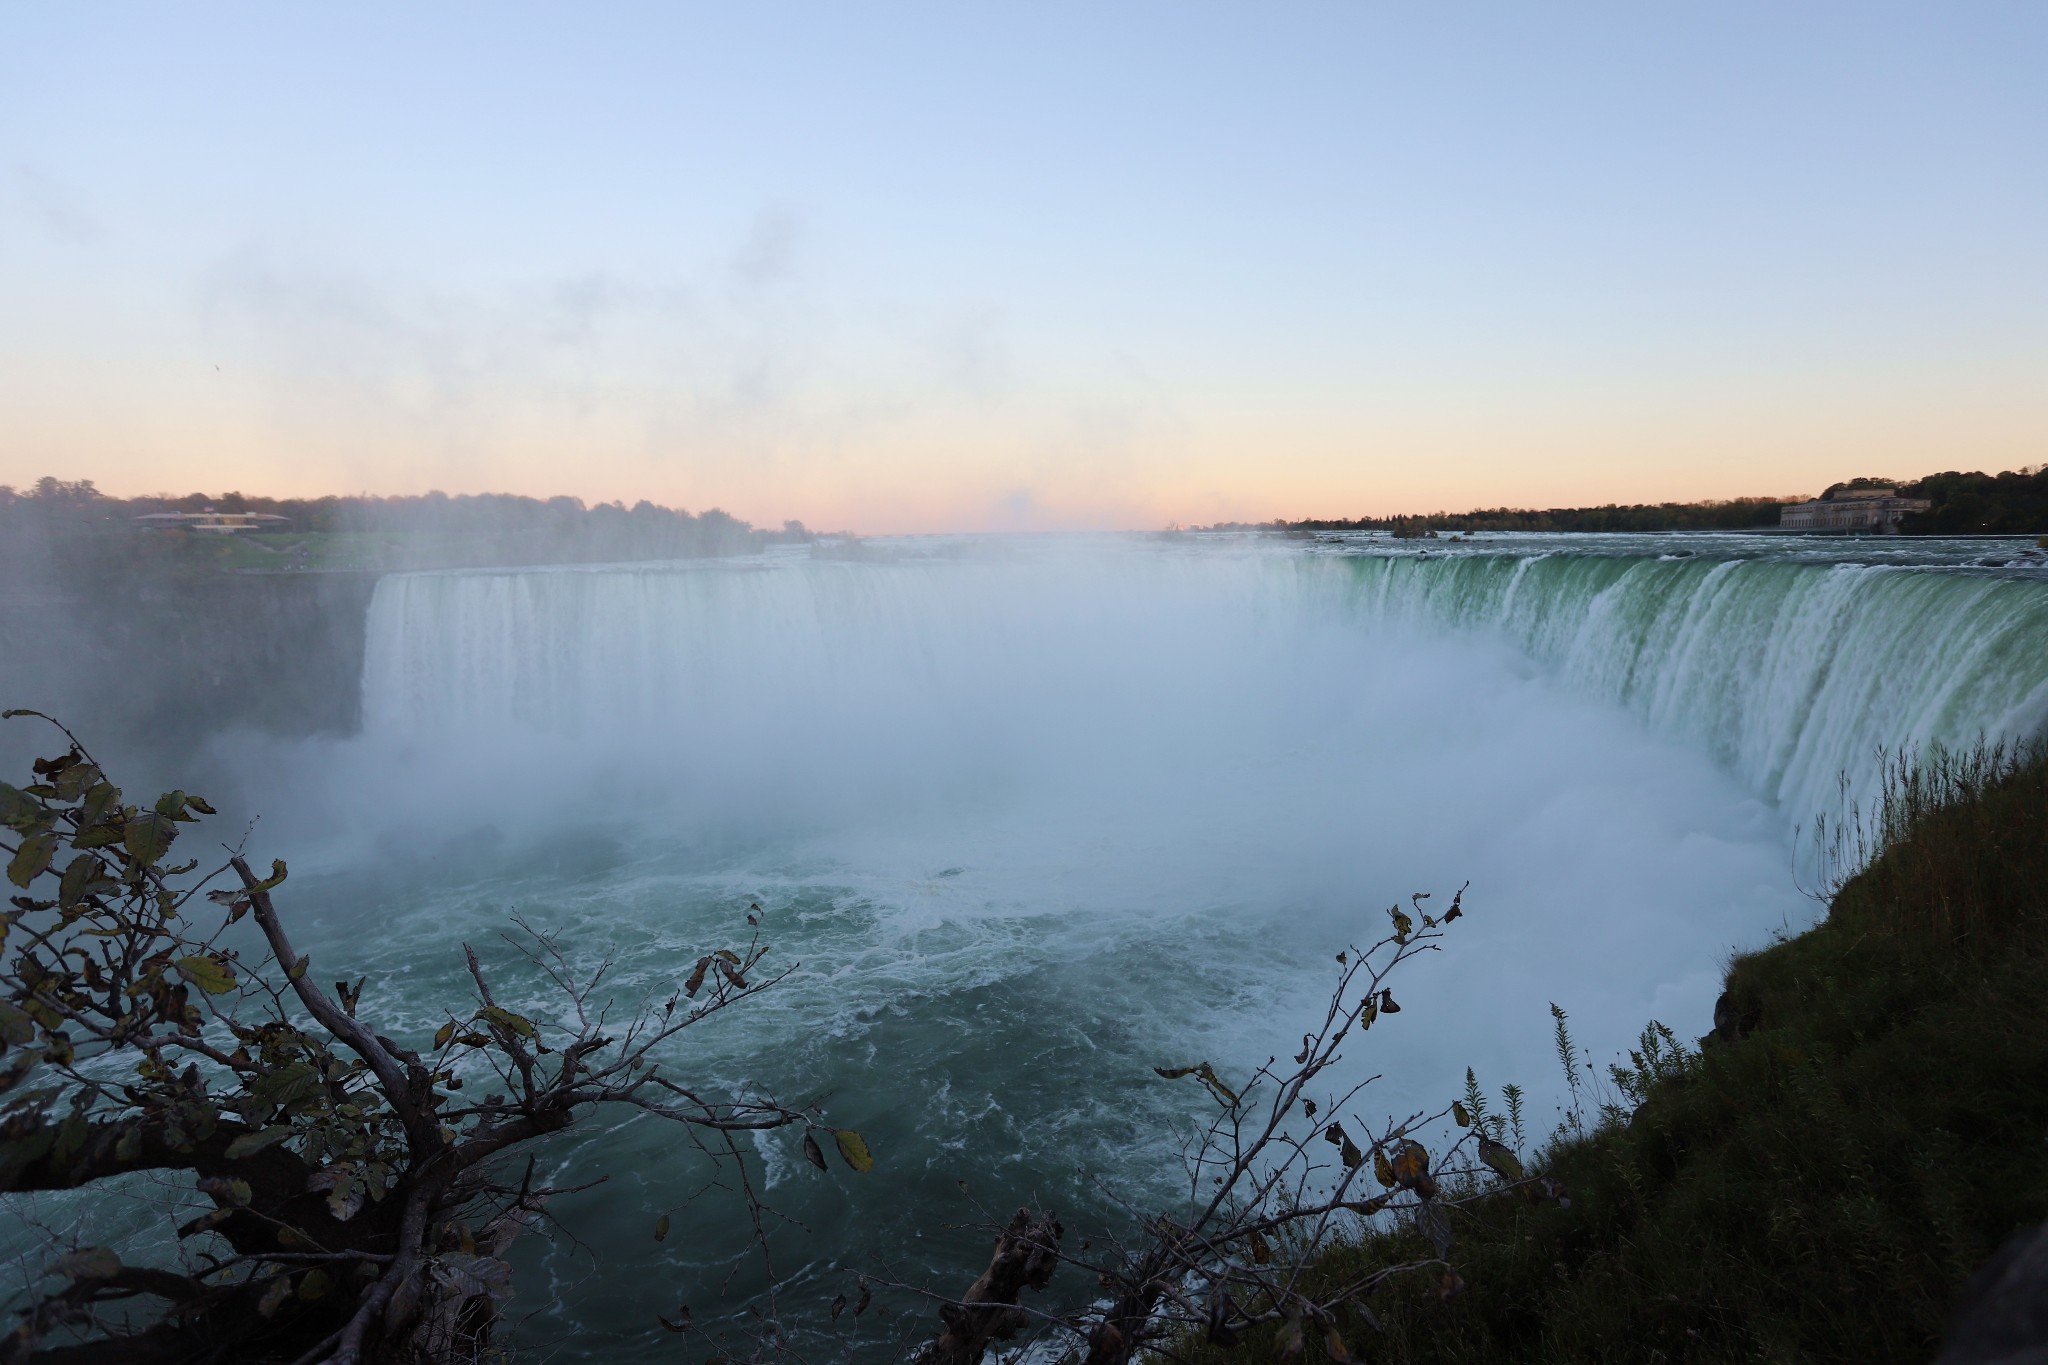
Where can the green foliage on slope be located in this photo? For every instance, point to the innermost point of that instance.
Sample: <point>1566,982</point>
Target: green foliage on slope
<point>2012,503</point>
<point>1818,1185</point>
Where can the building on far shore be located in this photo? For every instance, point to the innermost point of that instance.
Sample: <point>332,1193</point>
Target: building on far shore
<point>1871,510</point>
<point>211,522</point>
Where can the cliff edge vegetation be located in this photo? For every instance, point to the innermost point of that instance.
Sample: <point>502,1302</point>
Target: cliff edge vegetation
<point>1819,1180</point>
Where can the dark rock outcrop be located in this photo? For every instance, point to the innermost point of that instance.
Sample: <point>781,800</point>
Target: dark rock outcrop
<point>2003,1317</point>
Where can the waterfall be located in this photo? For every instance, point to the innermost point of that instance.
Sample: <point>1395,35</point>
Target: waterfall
<point>1028,819</point>
<point>1790,675</point>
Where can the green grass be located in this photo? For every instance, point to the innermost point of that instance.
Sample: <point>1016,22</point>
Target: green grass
<point>1821,1189</point>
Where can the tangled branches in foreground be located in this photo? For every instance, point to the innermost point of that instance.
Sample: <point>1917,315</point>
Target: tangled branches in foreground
<point>351,1197</point>
<point>1276,1178</point>
<point>355,1194</point>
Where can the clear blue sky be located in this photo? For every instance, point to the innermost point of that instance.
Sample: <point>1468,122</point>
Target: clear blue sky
<point>949,266</point>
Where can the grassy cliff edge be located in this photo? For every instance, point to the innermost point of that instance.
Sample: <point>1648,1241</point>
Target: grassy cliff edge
<point>1821,1178</point>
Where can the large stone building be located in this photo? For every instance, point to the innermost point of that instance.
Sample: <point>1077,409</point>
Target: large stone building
<point>1875,511</point>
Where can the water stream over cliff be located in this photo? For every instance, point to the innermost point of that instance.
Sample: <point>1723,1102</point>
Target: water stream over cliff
<point>1030,817</point>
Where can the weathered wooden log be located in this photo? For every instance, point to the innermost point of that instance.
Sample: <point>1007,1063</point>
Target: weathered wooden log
<point>1026,1255</point>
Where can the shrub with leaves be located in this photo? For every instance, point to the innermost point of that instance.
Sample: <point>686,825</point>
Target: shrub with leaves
<point>1284,1171</point>
<point>1823,1178</point>
<point>355,1191</point>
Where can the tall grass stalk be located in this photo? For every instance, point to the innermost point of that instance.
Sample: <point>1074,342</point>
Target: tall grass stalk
<point>1819,1183</point>
<point>1955,847</point>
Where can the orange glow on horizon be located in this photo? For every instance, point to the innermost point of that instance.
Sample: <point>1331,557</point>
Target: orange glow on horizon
<point>923,485</point>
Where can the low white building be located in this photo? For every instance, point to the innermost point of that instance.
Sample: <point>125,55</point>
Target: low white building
<point>1870,510</point>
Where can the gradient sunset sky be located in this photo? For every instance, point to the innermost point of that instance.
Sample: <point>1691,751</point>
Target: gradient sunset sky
<point>979,266</point>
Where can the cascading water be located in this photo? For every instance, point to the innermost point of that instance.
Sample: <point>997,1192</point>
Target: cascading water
<point>1029,819</point>
<point>1793,675</point>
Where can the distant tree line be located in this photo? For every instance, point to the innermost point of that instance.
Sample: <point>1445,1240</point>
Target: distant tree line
<point>1738,514</point>
<point>2012,503</point>
<point>500,527</point>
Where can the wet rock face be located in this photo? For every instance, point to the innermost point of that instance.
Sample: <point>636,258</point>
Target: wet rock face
<point>166,664</point>
<point>2003,1317</point>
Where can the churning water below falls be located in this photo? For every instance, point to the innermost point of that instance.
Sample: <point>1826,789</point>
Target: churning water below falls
<point>1029,817</point>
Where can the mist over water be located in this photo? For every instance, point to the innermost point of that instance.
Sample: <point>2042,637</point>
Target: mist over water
<point>1030,818</point>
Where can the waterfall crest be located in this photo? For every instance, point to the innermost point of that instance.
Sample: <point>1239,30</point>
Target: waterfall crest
<point>1790,675</point>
